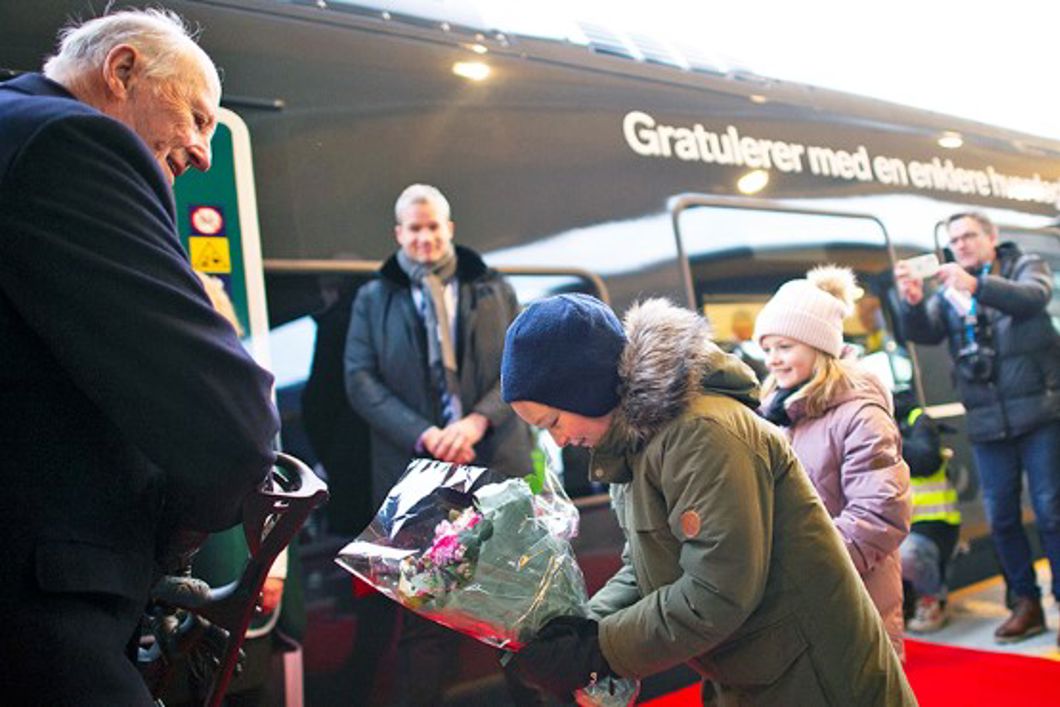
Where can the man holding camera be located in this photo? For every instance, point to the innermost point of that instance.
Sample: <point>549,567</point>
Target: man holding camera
<point>991,308</point>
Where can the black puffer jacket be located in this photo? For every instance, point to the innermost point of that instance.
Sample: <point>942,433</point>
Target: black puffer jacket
<point>388,383</point>
<point>1024,391</point>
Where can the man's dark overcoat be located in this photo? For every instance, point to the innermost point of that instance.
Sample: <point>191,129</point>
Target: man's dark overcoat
<point>389,384</point>
<point>127,405</point>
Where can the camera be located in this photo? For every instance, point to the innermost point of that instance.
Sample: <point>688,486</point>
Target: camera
<point>975,362</point>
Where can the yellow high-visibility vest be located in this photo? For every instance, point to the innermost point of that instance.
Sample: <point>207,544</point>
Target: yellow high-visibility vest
<point>934,497</point>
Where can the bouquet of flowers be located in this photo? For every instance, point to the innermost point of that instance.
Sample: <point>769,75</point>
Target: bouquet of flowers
<point>480,553</point>
<point>448,563</point>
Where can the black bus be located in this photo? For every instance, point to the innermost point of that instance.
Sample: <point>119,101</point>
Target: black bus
<point>609,165</point>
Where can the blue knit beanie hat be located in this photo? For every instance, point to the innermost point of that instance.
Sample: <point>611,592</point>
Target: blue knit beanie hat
<point>563,351</point>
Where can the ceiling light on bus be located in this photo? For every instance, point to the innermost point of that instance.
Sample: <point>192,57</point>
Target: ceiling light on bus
<point>950,140</point>
<point>477,47</point>
<point>473,70</point>
<point>753,182</point>
<point>757,98</point>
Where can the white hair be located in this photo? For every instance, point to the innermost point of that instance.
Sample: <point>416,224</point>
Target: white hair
<point>422,194</point>
<point>161,37</point>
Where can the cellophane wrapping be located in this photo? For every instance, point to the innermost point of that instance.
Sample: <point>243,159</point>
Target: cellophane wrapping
<point>480,553</point>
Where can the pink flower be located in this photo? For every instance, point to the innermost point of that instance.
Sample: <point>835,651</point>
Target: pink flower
<point>447,548</point>
<point>444,550</point>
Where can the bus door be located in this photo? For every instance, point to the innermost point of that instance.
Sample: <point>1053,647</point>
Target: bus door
<point>736,252</point>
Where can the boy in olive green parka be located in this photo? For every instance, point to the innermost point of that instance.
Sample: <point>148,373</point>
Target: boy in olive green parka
<point>731,563</point>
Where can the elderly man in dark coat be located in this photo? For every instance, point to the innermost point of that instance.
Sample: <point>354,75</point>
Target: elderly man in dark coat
<point>129,407</point>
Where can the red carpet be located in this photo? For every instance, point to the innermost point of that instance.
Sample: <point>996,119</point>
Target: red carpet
<point>943,676</point>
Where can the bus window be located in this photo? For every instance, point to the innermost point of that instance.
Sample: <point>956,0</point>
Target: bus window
<point>531,287</point>
<point>307,339</point>
<point>533,283</point>
<point>739,257</point>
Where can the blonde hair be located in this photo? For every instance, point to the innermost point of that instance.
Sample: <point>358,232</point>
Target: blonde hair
<point>829,377</point>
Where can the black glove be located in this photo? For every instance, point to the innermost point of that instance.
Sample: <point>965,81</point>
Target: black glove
<point>181,592</point>
<point>563,657</point>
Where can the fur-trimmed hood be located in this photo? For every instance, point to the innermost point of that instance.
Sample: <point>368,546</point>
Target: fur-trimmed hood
<point>668,359</point>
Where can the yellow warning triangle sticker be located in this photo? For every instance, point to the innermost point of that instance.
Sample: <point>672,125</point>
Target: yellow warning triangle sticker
<point>210,255</point>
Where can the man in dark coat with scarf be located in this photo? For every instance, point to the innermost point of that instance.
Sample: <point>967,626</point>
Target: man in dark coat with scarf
<point>128,407</point>
<point>422,367</point>
<point>991,309</point>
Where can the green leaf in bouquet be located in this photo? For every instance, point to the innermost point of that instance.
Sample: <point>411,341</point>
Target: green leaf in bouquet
<point>536,479</point>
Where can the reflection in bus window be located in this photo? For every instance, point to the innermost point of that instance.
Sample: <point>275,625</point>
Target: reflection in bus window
<point>1054,305</point>
<point>319,426</point>
<point>738,258</point>
<point>531,287</point>
<point>291,345</point>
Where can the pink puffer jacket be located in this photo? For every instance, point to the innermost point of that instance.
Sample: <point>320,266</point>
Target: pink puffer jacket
<point>853,455</point>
